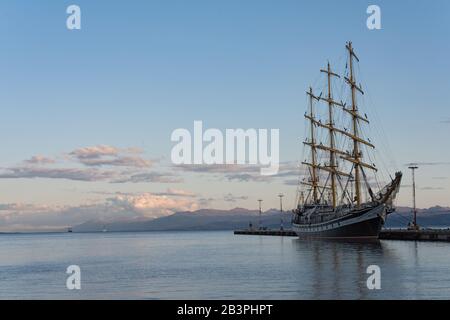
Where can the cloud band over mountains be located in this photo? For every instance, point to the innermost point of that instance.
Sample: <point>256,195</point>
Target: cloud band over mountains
<point>97,163</point>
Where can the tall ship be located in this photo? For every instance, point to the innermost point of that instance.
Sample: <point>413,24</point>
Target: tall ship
<point>339,193</point>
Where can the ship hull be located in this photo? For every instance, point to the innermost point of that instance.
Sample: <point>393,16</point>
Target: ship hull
<point>366,224</point>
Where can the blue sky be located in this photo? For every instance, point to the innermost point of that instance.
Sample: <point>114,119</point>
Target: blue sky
<point>137,70</point>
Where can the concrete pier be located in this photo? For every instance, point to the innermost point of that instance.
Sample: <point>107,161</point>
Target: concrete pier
<point>282,233</point>
<point>413,235</point>
<point>385,234</point>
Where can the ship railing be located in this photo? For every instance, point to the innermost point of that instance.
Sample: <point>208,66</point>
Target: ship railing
<point>316,219</point>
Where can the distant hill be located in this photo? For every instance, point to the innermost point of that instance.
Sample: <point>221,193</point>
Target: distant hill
<point>238,218</point>
<point>432,217</point>
<point>205,219</point>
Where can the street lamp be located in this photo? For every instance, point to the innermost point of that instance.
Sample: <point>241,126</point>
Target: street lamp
<point>260,212</point>
<point>414,224</point>
<point>281,210</point>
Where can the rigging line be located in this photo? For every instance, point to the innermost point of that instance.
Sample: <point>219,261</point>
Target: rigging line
<point>305,130</point>
<point>297,193</point>
<point>369,189</point>
<point>304,152</point>
<point>384,139</point>
<point>344,190</point>
<point>316,80</point>
<point>307,197</point>
<point>345,193</point>
<point>401,216</point>
<point>373,157</point>
<point>323,190</point>
<point>375,175</point>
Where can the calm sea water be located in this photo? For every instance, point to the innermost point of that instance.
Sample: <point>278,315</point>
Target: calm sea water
<point>217,265</point>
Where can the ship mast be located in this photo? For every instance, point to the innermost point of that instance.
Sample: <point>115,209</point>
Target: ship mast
<point>357,174</point>
<point>314,166</point>
<point>330,124</point>
<point>356,155</point>
<point>312,143</point>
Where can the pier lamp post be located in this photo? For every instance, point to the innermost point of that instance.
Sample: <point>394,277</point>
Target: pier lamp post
<point>414,225</point>
<point>260,212</point>
<point>281,210</point>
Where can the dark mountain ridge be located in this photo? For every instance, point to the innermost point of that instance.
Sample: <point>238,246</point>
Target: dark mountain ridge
<point>240,218</point>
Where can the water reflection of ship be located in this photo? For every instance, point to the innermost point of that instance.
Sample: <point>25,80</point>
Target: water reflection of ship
<point>338,268</point>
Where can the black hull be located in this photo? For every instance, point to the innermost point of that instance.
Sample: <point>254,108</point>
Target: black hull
<point>365,229</point>
<point>366,223</point>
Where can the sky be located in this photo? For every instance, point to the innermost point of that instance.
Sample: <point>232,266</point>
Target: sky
<point>87,115</point>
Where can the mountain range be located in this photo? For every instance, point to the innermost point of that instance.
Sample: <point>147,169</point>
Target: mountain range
<point>240,218</point>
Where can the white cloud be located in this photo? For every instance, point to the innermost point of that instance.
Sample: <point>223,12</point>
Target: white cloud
<point>177,193</point>
<point>151,206</point>
<point>38,159</point>
<point>27,217</point>
<point>96,163</point>
<point>94,152</point>
<point>233,198</point>
<point>149,177</point>
<point>77,174</point>
<point>242,173</point>
<point>128,161</point>
<point>104,155</point>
